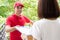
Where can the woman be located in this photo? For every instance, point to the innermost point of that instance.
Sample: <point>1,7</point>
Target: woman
<point>48,27</point>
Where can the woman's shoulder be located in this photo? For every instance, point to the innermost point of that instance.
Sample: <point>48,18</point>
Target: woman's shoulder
<point>41,21</point>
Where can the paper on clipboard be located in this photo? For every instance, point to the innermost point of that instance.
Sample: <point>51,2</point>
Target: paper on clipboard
<point>24,30</point>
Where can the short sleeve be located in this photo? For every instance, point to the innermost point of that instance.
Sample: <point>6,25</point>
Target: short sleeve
<point>8,21</point>
<point>35,31</point>
<point>27,19</point>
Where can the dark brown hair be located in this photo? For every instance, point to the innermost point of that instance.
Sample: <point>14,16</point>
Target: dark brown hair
<point>48,9</point>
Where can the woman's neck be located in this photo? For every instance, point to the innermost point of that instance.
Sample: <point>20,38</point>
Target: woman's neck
<point>51,18</point>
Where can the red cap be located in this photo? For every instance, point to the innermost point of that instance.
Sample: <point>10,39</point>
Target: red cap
<point>18,4</point>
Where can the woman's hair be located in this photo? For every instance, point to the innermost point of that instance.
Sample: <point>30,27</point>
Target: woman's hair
<point>48,9</point>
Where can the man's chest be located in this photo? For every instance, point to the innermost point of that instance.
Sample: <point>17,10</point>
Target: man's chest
<point>19,21</point>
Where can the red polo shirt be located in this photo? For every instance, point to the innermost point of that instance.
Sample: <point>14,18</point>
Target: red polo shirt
<point>16,20</point>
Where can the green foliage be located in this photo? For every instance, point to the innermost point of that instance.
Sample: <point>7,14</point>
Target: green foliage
<point>30,8</point>
<point>2,20</point>
<point>3,10</point>
<point>59,2</point>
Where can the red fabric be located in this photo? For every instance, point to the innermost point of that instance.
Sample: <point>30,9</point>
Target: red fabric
<point>18,4</point>
<point>27,19</point>
<point>13,21</point>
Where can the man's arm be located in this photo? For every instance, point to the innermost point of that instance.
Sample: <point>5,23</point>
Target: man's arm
<point>10,29</point>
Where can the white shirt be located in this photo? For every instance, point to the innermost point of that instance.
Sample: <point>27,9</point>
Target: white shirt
<point>45,29</point>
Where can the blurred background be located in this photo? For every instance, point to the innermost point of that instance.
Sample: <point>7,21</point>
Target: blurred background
<point>30,9</point>
<point>6,9</point>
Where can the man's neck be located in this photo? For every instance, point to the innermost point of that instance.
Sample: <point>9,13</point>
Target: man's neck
<point>18,14</point>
